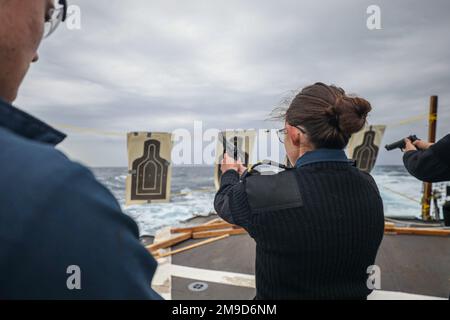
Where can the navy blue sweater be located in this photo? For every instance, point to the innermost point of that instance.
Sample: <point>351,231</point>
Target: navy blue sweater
<point>317,228</point>
<point>53,215</point>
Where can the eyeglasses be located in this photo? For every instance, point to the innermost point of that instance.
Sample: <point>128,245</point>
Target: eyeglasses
<point>55,15</point>
<point>282,135</point>
<point>283,132</point>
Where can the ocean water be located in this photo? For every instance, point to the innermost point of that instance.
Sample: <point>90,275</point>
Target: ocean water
<point>193,194</point>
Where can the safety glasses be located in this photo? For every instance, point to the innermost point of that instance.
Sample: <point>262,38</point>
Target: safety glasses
<point>55,15</point>
<point>283,132</point>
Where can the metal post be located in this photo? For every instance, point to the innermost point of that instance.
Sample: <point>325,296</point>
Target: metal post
<point>428,187</point>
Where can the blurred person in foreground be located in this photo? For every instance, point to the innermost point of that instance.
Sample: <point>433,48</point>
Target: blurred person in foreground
<point>56,219</point>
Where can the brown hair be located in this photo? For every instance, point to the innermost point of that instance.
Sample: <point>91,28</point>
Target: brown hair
<point>328,114</point>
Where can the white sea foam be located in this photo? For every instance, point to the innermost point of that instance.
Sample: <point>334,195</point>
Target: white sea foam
<point>193,194</point>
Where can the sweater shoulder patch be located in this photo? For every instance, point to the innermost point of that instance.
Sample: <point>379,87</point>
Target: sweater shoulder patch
<point>275,192</point>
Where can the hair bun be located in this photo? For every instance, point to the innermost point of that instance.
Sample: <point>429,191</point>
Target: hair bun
<point>352,113</point>
<point>328,114</point>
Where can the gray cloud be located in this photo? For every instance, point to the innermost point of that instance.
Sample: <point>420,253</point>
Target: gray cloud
<point>160,65</point>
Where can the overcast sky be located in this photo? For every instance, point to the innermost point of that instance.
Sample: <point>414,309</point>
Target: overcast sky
<point>159,65</point>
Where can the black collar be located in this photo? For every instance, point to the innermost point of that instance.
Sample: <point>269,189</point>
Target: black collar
<point>28,126</point>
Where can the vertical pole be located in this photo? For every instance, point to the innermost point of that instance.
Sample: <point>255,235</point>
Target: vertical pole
<point>428,187</point>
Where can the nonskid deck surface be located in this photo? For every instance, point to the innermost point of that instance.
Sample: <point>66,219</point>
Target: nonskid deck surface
<point>415,264</point>
<point>224,270</point>
<point>235,255</point>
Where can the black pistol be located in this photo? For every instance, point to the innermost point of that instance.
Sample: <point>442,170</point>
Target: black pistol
<point>231,149</point>
<point>401,144</point>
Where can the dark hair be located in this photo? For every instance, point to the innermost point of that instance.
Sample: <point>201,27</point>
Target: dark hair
<point>328,114</point>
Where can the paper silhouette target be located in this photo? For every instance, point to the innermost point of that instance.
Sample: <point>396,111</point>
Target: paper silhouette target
<point>149,176</point>
<point>364,147</point>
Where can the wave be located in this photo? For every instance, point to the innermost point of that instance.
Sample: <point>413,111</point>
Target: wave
<point>193,194</point>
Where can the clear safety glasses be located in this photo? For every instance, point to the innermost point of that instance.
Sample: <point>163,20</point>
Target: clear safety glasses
<point>283,132</point>
<point>55,15</point>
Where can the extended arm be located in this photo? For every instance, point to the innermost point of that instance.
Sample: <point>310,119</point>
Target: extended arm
<point>231,202</point>
<point>432,164</point>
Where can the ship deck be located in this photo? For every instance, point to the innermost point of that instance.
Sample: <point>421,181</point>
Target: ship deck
<point>224,270</point>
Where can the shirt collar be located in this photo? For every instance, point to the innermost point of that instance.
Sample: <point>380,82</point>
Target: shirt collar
<point>322,155</point>
<point>28,126</point>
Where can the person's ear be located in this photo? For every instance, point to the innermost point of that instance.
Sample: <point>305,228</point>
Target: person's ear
<point>35,58</point>
<point>293,135</point>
